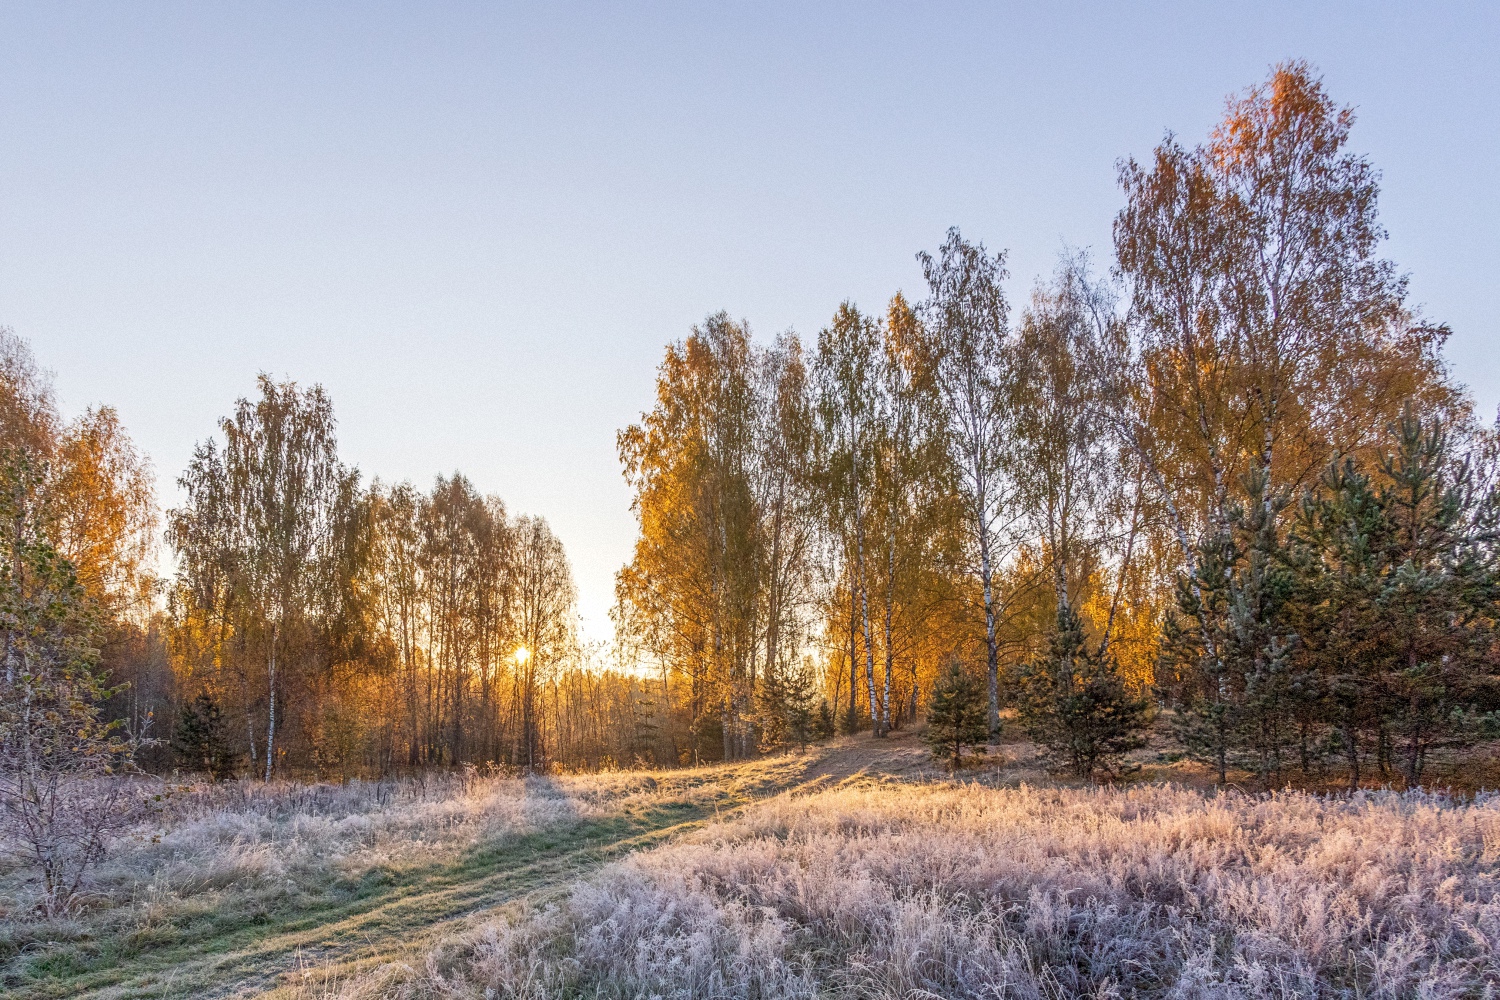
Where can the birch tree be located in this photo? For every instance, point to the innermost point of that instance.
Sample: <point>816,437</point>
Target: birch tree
<point>787,505</point>
<point>694,581</point>
<point>546,625</point>
<point>1269,335</point>
<point>104,492</point>
<point>852,409</point>
<point>967,354</point>
<point>1067,469</point>
<point>258,531</point>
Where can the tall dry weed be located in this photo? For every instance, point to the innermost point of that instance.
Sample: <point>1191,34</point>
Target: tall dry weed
<point>901,891</point>
<point>222,848</point>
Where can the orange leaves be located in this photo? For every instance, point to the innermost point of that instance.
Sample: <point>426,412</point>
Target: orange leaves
<point>104,490</point>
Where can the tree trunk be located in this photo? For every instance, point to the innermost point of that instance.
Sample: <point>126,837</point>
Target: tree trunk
<point>271,708</point>
<point>853,716</point>
<point>1414,727</point>
<point>413,737</point>
<point>864,593</point>
<point>1414,744</point>
<point>773,605</point>
<point>890,600</point>
<point>1304,757</point>
<point>724,728</point>
<point>991,649</point>
<point>1221,750</point>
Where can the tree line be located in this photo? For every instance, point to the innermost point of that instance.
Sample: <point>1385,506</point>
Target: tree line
<point>388,627</point>
<point>1228,479</point>
<point>311,623</point>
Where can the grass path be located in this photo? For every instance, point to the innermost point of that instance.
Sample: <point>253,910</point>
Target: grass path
<point>378,927</point>
<point>382,918</point>
<point>395,916</point>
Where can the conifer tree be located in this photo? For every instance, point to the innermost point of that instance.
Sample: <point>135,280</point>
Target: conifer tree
<point>1339,548</point>
<point>1260,641</point>
<point>958,716</point>
<point>1076,706</point>
<point>823,722</point>
<point>1228,646</point>
<point>200,741</point>
<point>1439,558</point>
<point>801,720</point>
<point>773,709</point>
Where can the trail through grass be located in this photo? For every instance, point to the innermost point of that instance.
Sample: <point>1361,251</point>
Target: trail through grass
<point>965,892</point>
<point>414,871</point>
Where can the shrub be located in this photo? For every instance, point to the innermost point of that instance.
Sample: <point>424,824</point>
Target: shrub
<point>56,815</point>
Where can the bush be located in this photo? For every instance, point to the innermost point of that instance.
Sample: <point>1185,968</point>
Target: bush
<point>56,814</point>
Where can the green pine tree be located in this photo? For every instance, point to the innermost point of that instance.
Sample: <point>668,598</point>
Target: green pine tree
<point>958,716</point>
<point>773,706</point>
<point>823,723</point>
<point>800,687</point>
<point>1076,706</point>
<point>1339,546</point>
<point>1437,590</point>
<point>200,742</point>
<point>1227,651</point>
<point>1397,582</point>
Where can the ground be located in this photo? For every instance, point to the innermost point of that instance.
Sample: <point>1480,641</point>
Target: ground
<point>430,886</point>
<point>394,912</point>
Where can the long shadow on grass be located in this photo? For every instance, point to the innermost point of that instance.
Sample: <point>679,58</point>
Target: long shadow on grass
<point>246,945</point>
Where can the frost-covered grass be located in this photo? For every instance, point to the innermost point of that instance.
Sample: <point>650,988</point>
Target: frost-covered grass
<point>197,838</point>
<point>918,888</point>
<point>209,861</point>
<point>899,890</point>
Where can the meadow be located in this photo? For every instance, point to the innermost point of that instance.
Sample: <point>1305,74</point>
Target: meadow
<point>950,891</point>
<point>857,870</point>
<point>237,888</point>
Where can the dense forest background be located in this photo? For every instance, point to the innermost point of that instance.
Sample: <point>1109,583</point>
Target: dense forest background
<point>1224,478</point>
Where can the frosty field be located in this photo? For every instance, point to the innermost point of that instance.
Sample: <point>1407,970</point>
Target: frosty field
<point>881,891</point>
<point>855,870</point>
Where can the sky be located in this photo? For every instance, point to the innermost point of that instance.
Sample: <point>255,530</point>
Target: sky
<point>477,225</point>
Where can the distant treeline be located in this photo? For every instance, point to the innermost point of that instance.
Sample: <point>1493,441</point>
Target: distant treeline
<point>1228,478</point>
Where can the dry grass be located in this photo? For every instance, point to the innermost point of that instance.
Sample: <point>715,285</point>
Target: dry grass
<point>202,838</point>
<point>885,890</point>
<point>216,866</point>
<point>852,884</point>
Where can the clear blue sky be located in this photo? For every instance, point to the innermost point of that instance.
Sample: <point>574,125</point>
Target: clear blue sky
<point>477,225</point>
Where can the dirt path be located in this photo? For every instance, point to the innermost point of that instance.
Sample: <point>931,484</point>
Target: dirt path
<point>297,954</point>
<point>307,952</point>
<point>333,952</point>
